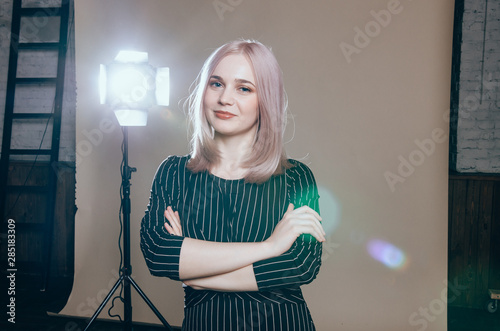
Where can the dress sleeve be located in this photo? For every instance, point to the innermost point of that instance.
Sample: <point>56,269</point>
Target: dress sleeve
<point>161,250</point>
<point>301,263</point>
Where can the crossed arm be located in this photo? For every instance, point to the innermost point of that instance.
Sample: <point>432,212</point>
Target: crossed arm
<point>229,266</point>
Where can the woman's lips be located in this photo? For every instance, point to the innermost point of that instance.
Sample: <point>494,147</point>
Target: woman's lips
<point>224,115</point>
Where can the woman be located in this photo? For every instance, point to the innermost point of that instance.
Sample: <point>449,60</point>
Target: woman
<point>236,221</point>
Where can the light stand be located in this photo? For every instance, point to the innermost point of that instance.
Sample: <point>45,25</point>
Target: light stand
<point>126,271</point>
<point>130,86</point>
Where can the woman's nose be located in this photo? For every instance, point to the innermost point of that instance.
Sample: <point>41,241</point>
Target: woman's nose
<point>226,97</point>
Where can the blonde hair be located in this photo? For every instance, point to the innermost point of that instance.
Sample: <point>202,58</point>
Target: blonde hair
<point>268,155</point>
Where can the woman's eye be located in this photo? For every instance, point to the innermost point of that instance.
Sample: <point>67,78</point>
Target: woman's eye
<point>245,89</point>
<point>215,84</point>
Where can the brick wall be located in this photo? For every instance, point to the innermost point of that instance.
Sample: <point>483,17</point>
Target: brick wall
<point>475,124</point>
<point>29,133</point>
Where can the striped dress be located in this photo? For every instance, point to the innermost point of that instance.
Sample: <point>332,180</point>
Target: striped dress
<point>216,209</point>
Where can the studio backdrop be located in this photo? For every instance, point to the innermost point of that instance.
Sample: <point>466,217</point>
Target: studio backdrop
<point>368,84</point>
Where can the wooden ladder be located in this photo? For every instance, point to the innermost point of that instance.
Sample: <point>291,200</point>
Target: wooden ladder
<point>40,153</point>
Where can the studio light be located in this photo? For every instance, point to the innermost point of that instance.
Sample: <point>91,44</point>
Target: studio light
<point>130,86</point>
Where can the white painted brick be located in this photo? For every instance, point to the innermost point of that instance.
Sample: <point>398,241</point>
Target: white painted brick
<point>467,123</point>
<point>495,151</point>
<point>468,144</point>
<point>486,145</point>
<point>495,165</point>
<point>469,134</point>
<point>468,35</point>
<point>39,29</point>
<point>37,63</point>
<point>473,26</point>
<point>470,85</point>
<point>491,65</point>
<point>494,20</point>
<point>40,134</point>
<point>42,3</point>
<point>483,165</point>
<point>483,115</point>
<point>476,134</point>
<point>465,165</point>
<point>486,125</point>
<point>474,75</point>
<point>475,6</point>
<point>475,154</point>
<point>475,46</point>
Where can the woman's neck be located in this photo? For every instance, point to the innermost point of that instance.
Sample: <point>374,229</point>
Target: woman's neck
<point>233,152</point>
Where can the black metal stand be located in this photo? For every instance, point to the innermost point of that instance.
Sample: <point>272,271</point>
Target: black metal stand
<point>126,272</point>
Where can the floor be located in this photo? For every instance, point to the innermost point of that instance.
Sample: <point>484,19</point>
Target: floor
<point>31,307</point>
<point>459,319</point>
<point>465,319</point>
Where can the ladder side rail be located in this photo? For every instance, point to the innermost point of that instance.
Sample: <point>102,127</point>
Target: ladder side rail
<point>9,104</point>
<point>56,132</point>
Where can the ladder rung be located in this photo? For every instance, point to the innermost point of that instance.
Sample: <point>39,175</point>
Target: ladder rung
<point>40,45</point>
<point>37,80</point>
<point>38,11</point>
<point>32,115</point>
<point>27,189</point>
<point>30,151</point>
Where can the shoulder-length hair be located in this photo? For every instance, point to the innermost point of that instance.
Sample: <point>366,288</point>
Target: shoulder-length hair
<point>268,155</point>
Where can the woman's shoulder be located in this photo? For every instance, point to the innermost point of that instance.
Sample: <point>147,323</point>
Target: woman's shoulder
<point>299,174</point>
<point>301,182</point>
<point>298,169</point>
<point>173,163</point>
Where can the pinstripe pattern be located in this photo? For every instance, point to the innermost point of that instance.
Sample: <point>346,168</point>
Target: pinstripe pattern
<point>215,209</point>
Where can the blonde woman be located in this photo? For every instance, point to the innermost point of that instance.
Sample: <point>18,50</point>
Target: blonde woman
<point>235,220</point>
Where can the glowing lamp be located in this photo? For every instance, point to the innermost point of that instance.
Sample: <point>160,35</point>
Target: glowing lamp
<point>130,86</point>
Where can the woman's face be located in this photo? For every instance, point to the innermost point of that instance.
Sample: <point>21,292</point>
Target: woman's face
<point>230,101</point>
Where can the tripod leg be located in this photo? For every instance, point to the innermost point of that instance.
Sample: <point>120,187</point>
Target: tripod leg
<point>103,304</point>
<point>150,304</point>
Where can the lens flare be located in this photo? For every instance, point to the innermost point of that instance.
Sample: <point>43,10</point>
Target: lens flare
<point>330,210</point>
<point>386,253</point>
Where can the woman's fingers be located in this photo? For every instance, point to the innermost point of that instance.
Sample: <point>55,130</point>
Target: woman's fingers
<point>294,223</point>
<point>306,220</point>
<point>312,221</point>
<point>169,228</point>
<point>175,223</point>
<point>309,210</point>
<point>309,226</point>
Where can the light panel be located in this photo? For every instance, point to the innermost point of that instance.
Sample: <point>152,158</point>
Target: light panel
<point>162,86</point>
<point>130,86</point>
<point>132,57</point>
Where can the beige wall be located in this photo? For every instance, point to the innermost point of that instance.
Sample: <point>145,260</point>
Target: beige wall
<point>357,118</point>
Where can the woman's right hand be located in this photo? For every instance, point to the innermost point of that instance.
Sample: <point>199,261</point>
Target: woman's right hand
<point>295,222</point>
<point>174,227</point>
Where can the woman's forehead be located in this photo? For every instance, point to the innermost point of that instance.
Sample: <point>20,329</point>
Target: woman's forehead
<point>235,67</point>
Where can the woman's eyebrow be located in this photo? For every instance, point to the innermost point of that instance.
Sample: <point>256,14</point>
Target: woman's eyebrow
<point>237,80</point>
<point>244,81</point>
<point>216,77</point>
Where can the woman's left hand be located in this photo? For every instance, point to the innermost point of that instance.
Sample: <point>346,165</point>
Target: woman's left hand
<point>174,227</point>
